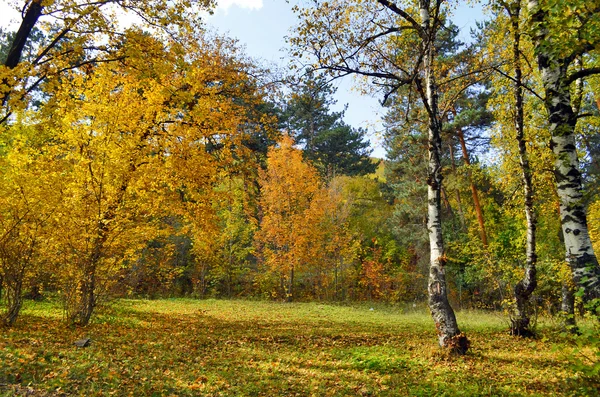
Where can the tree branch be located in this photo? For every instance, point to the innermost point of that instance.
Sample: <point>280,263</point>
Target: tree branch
<point>394,8</point>
<point>582,73</point>
<point>582,115</point>
<point>513,79</point>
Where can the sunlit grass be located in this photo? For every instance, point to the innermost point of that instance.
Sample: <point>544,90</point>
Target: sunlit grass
<point>188,347</point>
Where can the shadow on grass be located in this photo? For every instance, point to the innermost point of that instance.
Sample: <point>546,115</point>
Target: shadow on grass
<point>194,351</point>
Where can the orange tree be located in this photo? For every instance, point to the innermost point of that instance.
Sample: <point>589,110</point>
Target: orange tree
<point>288,187</point>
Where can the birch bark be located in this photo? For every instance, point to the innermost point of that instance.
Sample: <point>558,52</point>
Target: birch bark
<point>449,334</point>
<point>562,120</point>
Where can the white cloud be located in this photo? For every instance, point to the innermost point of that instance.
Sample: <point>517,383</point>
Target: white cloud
<point>224,5</point>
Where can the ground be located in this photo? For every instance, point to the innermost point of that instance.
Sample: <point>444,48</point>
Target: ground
<point>187,347</point>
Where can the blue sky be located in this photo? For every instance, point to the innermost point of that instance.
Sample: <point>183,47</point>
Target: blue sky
<point>261,27</point>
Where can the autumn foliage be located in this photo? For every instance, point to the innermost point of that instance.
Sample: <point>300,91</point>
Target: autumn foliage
<point>158,160</point>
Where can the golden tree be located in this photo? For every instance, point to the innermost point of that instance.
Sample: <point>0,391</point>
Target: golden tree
<point>138,139</point>
<point>66,35</point>
<point>30,193</point>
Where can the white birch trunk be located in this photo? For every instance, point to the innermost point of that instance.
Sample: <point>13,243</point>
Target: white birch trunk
<point>445,321</point>
<point>562,120</point>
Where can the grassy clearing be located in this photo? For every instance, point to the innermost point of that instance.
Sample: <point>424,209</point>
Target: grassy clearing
<point>241,348</point>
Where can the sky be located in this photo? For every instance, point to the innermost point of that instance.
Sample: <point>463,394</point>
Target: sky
<point>261,27</point>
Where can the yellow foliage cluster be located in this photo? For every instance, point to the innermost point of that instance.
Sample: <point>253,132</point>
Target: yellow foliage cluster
<point>91,174</point>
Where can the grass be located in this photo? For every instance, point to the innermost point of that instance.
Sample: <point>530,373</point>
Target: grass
<point>187,347</point>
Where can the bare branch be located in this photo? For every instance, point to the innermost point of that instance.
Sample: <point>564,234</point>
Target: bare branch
<point>582,115</point>
<point>394,8</point>
<point>513,79</point>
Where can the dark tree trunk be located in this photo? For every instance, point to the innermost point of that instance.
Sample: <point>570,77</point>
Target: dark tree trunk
<point>87,299</point>
<point>15,51</point>
<point>14,299</point>
<point>567,308</point>
<point>33,13</point>
<point>290,292</point>
<point>521,321</point>
<point>335,283</point>
<point>17,264</point>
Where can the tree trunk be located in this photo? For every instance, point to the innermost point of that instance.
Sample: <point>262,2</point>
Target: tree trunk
<point>230,268</point>
<point>562,120</point>
<point>203,271</point>
<point>290,292</point>
<point>87,299</point>
<point>88,296</point>
<point>14,274</point>
<point>457,192</point>
<point>335,282</point>
<point>520,324</point>
<point>567,308</point>
<point>14,299</point>
<point>447,205</point>
<point>449,334</point>
<point>474,193</point>
<point>33,13</point>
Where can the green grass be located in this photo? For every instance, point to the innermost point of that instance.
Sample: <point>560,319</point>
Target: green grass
<point>186,347</point>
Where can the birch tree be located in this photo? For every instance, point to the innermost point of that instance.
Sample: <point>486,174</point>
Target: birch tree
<point>562,33</point>
<point>390,46</point>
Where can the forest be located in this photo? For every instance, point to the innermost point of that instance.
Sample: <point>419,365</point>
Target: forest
<point>157,160</point>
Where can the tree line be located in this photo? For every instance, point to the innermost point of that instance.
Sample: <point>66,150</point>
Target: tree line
<point>158,160</point>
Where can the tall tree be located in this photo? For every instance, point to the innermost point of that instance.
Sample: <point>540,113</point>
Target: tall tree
<point>525,287</point>
<point>394,46</point>
<point>561,33</point>
<point>342,150</point>
<point>469,117</point>
<point>163,123</point>
<point>307,111</point>
<point>288,187</point>
<point>335,147</point>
